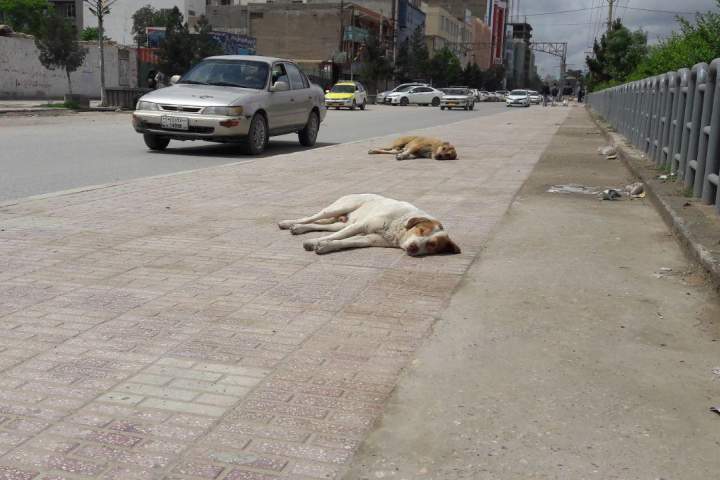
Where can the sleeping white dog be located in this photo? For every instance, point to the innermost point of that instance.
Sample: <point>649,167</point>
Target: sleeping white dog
<point>368,220</point>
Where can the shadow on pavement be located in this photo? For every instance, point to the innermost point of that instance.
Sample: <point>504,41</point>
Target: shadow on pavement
<point>229,150</point>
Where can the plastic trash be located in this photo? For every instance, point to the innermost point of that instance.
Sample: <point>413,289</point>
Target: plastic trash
<point>607,150</point>
<point>610,194</point>
<point>636,190</point>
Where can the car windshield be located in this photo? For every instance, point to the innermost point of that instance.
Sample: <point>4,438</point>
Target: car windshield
<point>520,93</point>
<point>455,91</point>
<point>404,88</point>
<point>229,73</point>
<point>343,89</point>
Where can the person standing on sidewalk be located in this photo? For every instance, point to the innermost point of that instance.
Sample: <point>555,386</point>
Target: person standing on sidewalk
<point>545,92</point>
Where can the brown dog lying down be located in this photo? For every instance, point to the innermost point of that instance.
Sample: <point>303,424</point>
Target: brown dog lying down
<point>368,220</point>
<point>405,148</point>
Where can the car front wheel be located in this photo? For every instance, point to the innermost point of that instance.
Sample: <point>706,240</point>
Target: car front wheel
<point>404,101</point>
<point>308,135</point>
<point>257,138</point>
<point>435,102</point>
<point>155,142</point>
<point>363,105</point>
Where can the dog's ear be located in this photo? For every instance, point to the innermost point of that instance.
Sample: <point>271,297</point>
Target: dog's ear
<point>450,247</point>
<point>412,221</point>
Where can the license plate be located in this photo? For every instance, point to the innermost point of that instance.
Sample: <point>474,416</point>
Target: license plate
<point>452,104</point>
<point>174,123</point>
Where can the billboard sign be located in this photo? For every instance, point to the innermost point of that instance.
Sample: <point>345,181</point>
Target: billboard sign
<point>499,10</point>
<point>231,43</point>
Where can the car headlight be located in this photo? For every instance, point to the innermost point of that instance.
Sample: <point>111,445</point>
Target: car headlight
<point>224,111</point>
<point>141,105</point>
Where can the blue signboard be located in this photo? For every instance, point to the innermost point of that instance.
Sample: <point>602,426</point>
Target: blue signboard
<point>231,43</point>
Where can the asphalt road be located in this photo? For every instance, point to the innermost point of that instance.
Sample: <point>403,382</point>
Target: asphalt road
<point>44,154</point>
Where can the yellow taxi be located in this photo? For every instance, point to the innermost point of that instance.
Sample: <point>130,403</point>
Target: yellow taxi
<point>346,94</point>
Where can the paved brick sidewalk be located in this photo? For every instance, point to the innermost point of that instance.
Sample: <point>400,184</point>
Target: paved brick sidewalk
<point>166,329</point>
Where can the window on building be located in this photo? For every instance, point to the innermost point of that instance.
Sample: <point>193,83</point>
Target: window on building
<point>70,9</point>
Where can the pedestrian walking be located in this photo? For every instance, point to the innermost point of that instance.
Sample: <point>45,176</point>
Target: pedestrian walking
<point>555,91</point>
<point>581,94</point>
<point>545,92</point>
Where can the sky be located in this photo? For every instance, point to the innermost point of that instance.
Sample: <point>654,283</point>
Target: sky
<point>580,28</point>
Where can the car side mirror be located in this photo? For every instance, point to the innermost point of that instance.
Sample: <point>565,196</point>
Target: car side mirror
<point>280,86</point>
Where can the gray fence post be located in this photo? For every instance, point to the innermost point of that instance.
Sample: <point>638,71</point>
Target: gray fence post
<point>691,168</point>
<point>709,151</point>
<point>678,119</point>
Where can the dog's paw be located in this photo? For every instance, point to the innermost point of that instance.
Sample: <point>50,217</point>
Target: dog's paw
<point>298,229</point>
<point>310,245</point>
<point>401,156</point>
<point>285,224</point>
<point>323,248</point>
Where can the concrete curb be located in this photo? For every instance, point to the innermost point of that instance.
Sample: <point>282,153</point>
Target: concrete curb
<point>682,230</point>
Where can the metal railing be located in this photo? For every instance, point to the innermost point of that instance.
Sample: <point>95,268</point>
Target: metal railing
<point>675,119</point>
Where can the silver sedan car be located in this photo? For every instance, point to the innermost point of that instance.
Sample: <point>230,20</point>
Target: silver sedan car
<point>233,98</point>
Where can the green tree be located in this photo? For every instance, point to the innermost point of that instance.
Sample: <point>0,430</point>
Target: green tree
<point>58,46</point>
<point>176,49</point>
<point>402,62</point>
<point>376,66</point>
<point>446,68</point>
<point>694,43</point>
<point>25,15</point>
<point>418,57</point>
<point>203,44</point>
<point>616,55</point>
<point>493,78</point>
<point>88,34</point>
<point>147,16</point>
<point>472,76</point>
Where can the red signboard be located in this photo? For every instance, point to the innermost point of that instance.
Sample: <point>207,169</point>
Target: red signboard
<point>498,32</point>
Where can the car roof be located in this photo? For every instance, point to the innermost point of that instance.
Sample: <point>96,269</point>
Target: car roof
<point>257,58</point>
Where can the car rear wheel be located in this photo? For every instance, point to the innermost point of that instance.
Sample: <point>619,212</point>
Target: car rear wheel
<point>435,102</point>
<point>155,142</point>
<point>257,138</point>
<point>308,135</point>
<point>404,101</point>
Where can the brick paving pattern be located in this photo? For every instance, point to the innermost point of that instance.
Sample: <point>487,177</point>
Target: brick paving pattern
<point>166,329</point>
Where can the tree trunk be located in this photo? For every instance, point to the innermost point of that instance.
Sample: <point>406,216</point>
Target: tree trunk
<point>101,30</point>
<point>69,83</point>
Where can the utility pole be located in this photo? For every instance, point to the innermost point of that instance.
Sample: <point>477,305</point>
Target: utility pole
<point>611,4</point>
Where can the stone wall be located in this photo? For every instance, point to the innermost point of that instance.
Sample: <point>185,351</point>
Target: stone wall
<point>22,76</point>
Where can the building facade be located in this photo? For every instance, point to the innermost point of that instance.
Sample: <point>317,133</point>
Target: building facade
<point>481,50</point>
<point>70,9</point>
<point>445,30</point>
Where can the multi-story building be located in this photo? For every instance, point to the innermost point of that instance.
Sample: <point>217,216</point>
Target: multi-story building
<point>118,24</point>
<point>70,9</point>
<point>522,59</point>
<point>317,36</point>
<point>481,47</point>
<point>445,30</point>
<point>458,8</point>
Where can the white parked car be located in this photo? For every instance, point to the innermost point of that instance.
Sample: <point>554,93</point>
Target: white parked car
<point>457,97</point>
<point>382,97</point>
<point>535,97</point>
<point>422,95</point>
<point>518,98</point>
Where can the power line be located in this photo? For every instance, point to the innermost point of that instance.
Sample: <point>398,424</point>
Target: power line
<point>652,10</point>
